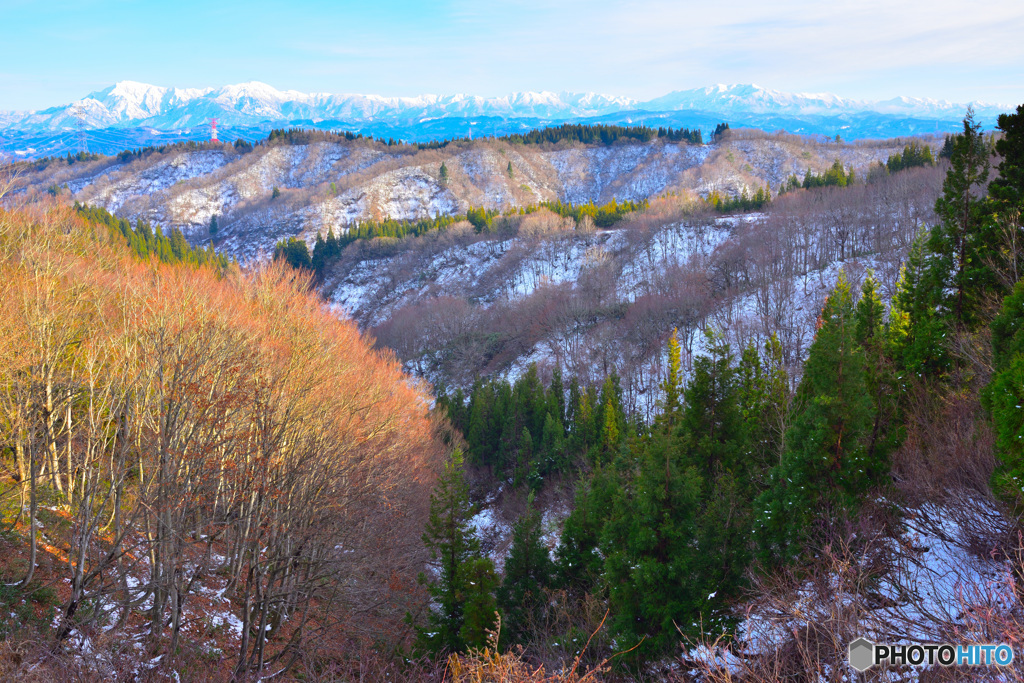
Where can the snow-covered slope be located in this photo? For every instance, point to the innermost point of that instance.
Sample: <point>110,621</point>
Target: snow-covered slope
<point>334,183</point>
<point>455,303</point>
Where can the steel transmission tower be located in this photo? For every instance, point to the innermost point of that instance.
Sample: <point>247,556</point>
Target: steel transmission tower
<point>79,114</point>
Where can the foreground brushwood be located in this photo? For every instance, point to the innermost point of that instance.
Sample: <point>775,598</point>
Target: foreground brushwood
<point>182,428</point>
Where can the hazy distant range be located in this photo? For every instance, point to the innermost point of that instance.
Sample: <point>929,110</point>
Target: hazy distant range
<point>129,115</point>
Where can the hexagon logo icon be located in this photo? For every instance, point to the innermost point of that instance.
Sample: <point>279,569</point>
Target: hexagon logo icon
<point>862,654</point>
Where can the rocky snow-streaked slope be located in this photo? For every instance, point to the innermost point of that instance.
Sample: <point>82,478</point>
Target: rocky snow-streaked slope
<point>329,185</point>
<point>119,187</point>
<point>636,172</point>
<point>512,269</point>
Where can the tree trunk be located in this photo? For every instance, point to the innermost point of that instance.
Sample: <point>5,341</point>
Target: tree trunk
<point>31,518</point>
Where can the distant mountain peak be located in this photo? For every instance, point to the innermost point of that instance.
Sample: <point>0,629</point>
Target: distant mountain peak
<point>258,106</point>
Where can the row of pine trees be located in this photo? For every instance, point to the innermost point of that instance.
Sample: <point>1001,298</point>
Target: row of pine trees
<point>144,240</point>
<point>605,134</point>
<point>327,249</point>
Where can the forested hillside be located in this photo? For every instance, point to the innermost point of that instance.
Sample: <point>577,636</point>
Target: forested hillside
<point>302,183</point>
<point>750,532</point>
<point>709,431</point>
<point>548,289</point>
<point>204,472</point>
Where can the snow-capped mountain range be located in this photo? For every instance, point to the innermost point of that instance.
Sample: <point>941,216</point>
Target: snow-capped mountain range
<point>755,99</point>
<point>130,114</point>
<point>131,104</point>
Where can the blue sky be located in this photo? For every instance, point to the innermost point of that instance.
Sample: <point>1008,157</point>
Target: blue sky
<point>54,52</point>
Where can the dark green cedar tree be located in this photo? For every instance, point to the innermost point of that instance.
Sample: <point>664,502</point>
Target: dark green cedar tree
<point>825,470</point>
<point>463,579</point>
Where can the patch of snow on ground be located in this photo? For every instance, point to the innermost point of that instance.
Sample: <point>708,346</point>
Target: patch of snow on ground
<point>228,619</point>
<point>936,588</point>
<point>495,534</point>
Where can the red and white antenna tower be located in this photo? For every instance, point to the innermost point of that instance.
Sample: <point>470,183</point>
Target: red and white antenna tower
<point>213,130</point>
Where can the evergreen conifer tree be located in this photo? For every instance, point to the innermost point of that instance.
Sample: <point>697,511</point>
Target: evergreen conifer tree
<point>1007,190</point>
<point>671,408</point>
<point>526,467</point>
<point>825,469</point>
<point>712,421</point>
<point>650,552</point>
<point>479,608</point>
<point>464,578</point>
<point>777,405</point>
<point>609,428</point>
<point>556,396</point>
<point>528,570</point>
<point>1005,395</point>
<point>480,432</point>
<point>179,246</point>
<point>675,542</point>
<point>871,336</point>
<point>553,444</point>
<point>579,564</point>
<point>763,397</point>
<point>917,334</point>
<point>962,238</point>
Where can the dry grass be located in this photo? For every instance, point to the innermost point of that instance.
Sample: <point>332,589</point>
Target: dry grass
<point>491,666</point>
